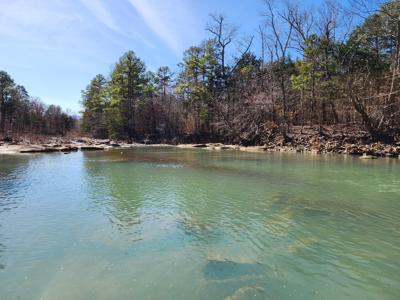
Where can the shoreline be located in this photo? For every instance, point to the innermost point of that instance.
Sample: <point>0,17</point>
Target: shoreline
<point>334,139</point>
<point>367,151</point>
<point>362,151</point>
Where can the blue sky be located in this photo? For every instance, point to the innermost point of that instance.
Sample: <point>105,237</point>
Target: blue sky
<point>54,47</point>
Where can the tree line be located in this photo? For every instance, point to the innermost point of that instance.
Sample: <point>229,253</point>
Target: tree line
<point>23,114</point>
<point>313,68</point>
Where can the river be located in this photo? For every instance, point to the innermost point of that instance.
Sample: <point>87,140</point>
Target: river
<point>168,223</point>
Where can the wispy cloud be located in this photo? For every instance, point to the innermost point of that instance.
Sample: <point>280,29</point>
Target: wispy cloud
<point>78,38</point>
<point>107,17</point>
<point>172,21</point>
<point>33,23</point>
<point>98,9</point>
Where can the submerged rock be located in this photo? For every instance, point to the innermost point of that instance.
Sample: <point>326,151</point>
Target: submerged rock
<point>314,212</point>
<point>231,270</point>
<point>247,292</point>
<point>302,244</point>
<point>195,224</point>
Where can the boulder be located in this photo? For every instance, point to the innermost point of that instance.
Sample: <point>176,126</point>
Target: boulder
<point>200,146</point>
<point>7,139</point>
<point>355,151</point>
<point>48,149</point>
<point>315,151</point>
<point>380,153</point>
<point>215,144</point>
<point>91,148</point>
<point>38,150</point>
<point>365,156</point>
<point>225,147</point>
<point>67,148</point>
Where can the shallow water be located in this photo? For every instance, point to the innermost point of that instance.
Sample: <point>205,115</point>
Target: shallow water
<point>166,223</point>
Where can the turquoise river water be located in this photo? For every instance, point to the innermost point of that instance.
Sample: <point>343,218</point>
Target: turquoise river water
<point>169,223</point>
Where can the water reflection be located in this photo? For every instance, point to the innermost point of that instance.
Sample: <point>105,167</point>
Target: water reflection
<point>216,201</point>
<point>14,172</point>
<point>221,225</point>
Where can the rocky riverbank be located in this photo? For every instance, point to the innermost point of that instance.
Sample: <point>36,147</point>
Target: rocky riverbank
<point>23,145</point>
<point>364,151</point>
<point>339,140</point>
<point>349,140</point>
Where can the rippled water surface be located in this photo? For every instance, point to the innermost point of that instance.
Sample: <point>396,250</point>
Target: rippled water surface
<point>163,223</point>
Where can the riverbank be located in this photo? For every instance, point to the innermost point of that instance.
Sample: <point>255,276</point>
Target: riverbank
<point>364,151</point>
<point>57,144</point>
<point>370,151</point>
<point>334,139</point>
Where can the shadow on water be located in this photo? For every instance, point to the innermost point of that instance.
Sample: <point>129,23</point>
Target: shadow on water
<point>2,249</point>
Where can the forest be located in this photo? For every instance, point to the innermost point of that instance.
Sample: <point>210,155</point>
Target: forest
<point>339,76</point>
<point>335,64</point>
<point>21,113</point>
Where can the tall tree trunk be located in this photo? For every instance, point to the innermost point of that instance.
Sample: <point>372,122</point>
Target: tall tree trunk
<point>334,112</point>
<point>2,116</point>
